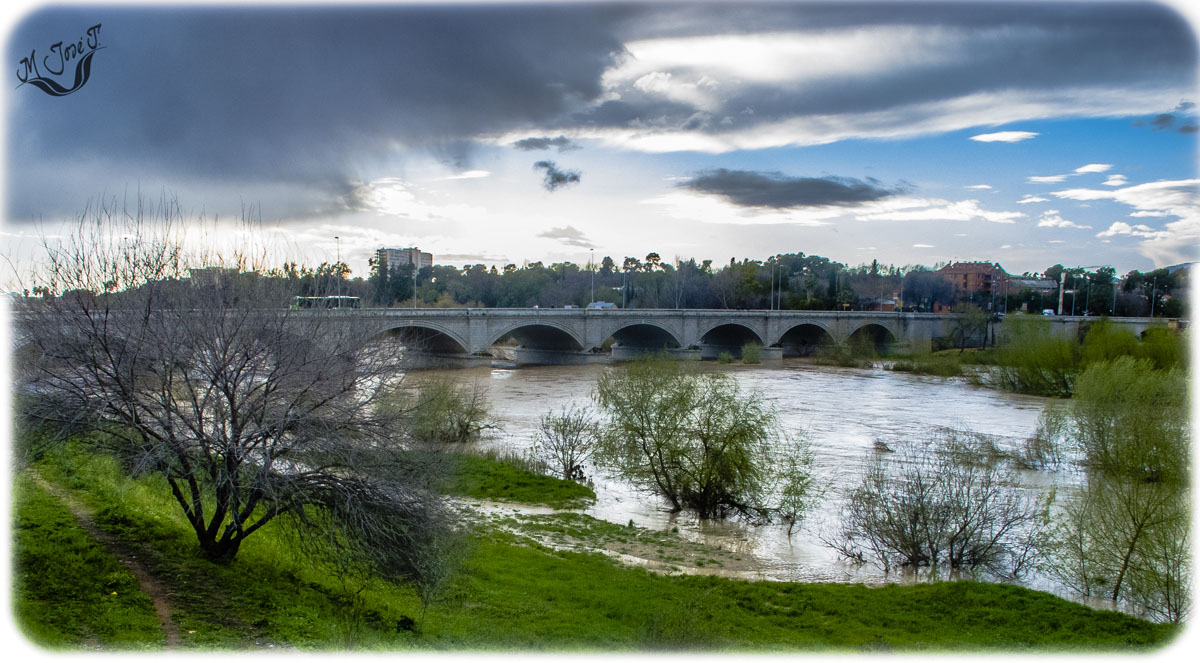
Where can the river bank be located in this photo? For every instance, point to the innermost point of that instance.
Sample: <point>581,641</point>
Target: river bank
<point>509,593</point>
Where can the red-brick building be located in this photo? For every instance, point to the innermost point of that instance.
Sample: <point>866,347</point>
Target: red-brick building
<point>968,278</point>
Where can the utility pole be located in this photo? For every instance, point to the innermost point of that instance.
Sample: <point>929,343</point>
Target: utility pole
<point>771,296</point>
<point>337,285</point>
<point>1153,296</point>
<point>1062,280</point>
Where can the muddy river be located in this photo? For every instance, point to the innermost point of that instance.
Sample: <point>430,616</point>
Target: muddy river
<point>840,411</point>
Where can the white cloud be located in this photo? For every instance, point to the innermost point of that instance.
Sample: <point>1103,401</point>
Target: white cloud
<point>1177,240</point>
<point>1139,230</point>
<point>469,175</point>
<point>978,186</point>
<point>1005,137</point>
<point>923,246</point>
<point>1032,199</point>
<point>1082,170</point>
<point>1051,219</point>
<point>1116,180</point>
<point>896,122</point>
<point>931,209</point>
<point>392,196</point>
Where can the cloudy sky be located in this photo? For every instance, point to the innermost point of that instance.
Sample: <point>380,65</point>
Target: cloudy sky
<point>1029,134</point>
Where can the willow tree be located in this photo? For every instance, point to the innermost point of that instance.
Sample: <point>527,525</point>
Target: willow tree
<point>200,372</point>
<point>1125,537</point>
<point>696,439</point>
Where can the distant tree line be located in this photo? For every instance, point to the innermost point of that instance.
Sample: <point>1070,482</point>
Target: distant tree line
<point>793,281</point>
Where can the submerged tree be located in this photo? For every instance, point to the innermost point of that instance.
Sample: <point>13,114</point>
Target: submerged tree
<point>566,439</point>
<point>692,437</point>
<point>947,503</point>
<point>1125,536</point>
<point>250,411</point>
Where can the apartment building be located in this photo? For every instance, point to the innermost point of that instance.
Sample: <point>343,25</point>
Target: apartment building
<point>410,256</point>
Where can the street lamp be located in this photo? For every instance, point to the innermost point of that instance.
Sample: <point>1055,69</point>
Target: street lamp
<point>592,269</point>
<point>337,284</point>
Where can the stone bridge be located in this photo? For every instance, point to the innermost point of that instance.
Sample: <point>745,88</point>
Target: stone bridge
<point>532,335</point>
<point>556,336</point>
<point>577,335</point>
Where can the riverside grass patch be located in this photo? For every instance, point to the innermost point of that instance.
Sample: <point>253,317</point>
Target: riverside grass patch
<point>511,593</point>
<point>484,478</point>
<point>68,591</point>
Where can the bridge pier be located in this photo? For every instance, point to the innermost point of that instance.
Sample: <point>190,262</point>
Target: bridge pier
<point>428,360</point>
<point>524,356</point>
<point>713,351</point>
<point>630,352</point>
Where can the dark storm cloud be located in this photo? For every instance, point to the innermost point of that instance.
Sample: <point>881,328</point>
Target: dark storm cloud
<point>299,95</point>
<point>315,97</point>
<point>1173,120</point>
<point>1038,48</point>
<point>563,144</point>
<point>568,235</point>
<point>555,177</point>
<point>778,191</point>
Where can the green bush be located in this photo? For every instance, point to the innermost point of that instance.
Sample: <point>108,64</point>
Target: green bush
<point>751,353</point>
<point>1033,360</point>
<point>1165,347</point>
<point>1105,341</point>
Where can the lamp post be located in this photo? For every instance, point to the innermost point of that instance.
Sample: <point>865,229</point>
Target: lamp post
<point>592,269</point>
<point>337,284</point>
<point>1153,296</point>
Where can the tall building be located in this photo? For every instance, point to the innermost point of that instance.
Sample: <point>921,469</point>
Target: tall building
<point>411,256</point>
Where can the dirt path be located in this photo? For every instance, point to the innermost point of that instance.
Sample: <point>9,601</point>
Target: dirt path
<point>148,583</point>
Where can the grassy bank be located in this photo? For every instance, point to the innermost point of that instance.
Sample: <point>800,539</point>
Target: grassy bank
<point>489,478</point>
<point>519,592</point>
<point>67,589</point>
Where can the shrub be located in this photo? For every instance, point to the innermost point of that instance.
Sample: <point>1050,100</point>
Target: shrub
<point>1033,360</point>
<point>566,440</point>
<point>946,503</point>
<point>440,411</point>
<point>1130,418</point>
<point>751,353</point>
<point>693,438</point>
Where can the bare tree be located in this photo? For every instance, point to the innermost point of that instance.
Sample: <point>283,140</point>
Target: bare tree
<point>949,503</point>
<point>566,440</point>
<point>439,411</point>
<point>250,411</point>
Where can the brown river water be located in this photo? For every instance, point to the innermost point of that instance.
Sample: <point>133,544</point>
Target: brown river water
<point>840,411</point>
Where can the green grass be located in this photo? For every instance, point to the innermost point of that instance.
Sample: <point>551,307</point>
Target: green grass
<point>68,591</point>
<point>484,478</point>
<point>513,594</point>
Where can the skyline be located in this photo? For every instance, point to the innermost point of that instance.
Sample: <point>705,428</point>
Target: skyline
<point>1023,134</point>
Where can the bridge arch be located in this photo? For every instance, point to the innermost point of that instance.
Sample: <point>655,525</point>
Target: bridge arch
<point>805,339</point>
<point>645,334</point>
<point>541,335</point>
<point>872,336</point>
<point>728,337</point>
<point>427,336</point>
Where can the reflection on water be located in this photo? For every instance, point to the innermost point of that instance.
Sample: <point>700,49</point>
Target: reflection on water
<point>841,411</point>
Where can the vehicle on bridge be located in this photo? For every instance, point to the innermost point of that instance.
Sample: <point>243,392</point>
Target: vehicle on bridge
<point>330,301</point>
